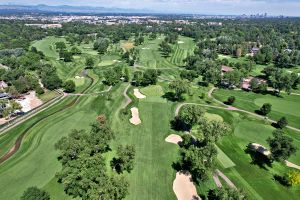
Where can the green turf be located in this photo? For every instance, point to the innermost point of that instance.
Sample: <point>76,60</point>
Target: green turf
<point>286,105</point>
<point>224,159</point>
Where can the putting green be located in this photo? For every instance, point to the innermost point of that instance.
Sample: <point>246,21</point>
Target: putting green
<point>281,105</point>
<point>153,90</point>
<point>78,81</point>
<point>253,132</point>
<point>212,117</point>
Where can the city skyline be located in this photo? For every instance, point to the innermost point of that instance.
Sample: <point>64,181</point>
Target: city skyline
<point>216,7</point>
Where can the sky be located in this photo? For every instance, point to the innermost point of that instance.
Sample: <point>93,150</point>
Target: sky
<point>228,7</point>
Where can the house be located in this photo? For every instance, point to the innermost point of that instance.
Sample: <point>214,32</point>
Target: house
<point>254,50</point>
<point>226,69</point>
<point>4,96</point>
<point>245,83</point>
<point>3,85</point>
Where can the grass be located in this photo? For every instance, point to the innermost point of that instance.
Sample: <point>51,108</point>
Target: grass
<point>150,56</point>
<point>47,96</point>
<point>35,164</point>
<point>286,105</point>
<point>258,182</point>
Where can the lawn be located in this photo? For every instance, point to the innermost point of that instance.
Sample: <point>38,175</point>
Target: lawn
<point>286,105</point>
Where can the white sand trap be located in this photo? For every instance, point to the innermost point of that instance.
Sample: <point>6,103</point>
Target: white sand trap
<point>135,120</point>
<point>30,102</point>
<point>180,42</point>
<point>292,165</point>
<point>184,188</point>
<point>260,148</point>
<point>145,48</point>
<point>78,77</point>
<point>138,94</point>
<point>175,139</point>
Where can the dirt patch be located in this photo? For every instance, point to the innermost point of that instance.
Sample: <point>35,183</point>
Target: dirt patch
<point>127,45</point>
<point>3,121</point>
<point>138,94</point>
<point>30,102</point>
<point>175,139</point>
<point>135,120</point>
<point>184,188</point>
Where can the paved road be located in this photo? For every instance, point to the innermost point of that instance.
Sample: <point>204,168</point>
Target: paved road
<point>128,99</point>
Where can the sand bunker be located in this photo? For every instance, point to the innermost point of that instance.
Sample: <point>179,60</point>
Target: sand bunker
<point>78,77</point>
<point>145,48</point>
<point>184,188</point>
<point>292,165</point>
<point>138,95</point>
<point>135,120</point>
<point>30,102</point>
<point>180,42</point>
<point>175,139</point>
<point>259,148</point>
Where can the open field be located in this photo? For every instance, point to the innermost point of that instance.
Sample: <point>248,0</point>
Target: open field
<point>285,106</point>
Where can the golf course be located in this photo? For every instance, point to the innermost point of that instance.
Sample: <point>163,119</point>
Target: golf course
<point>28,156</point>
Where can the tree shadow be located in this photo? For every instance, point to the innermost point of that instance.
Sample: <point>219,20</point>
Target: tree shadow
<point>178,125</point>
<point>283,180</point>
<point>259,159</point>
<point>259,112</point>
<point>170,96</point>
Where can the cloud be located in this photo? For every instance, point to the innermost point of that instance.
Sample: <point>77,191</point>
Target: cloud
<point>274,7</point>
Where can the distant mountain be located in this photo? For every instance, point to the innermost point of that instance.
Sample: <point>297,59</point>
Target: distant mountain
<point>66,9</point>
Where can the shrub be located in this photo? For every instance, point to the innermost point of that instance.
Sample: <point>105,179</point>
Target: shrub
<point>266,109</point>
<point>69,86</point>
<point>282,122</point>
<point>230,100</point>
<point>34,193</point>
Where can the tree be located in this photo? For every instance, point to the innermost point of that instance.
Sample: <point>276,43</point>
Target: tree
<point>282,146</point>
<point>69,86</point>
<point>113,76</point>
<point>226,193</point>
<point>188,74</point>
<point>101,45</point>
<point>230,100</point>
<point>66,56</point>
<point>61,46</point>
<point>75,51</point>
<point>89,62</point>
<point>294,177</point>
<point>198,160</point>
<point>34,193</point>
<point>265,109</point>
<point>165,48</point>
<point>282,122</point>
<point>125,159</point>
<point>190,115</point>
<point>212,131</point>
<point>179,87</point>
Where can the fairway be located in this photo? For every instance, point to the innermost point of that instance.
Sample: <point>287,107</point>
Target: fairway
<point>285,106</point>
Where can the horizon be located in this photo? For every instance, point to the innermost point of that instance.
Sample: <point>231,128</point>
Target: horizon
<point>205,7</point>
